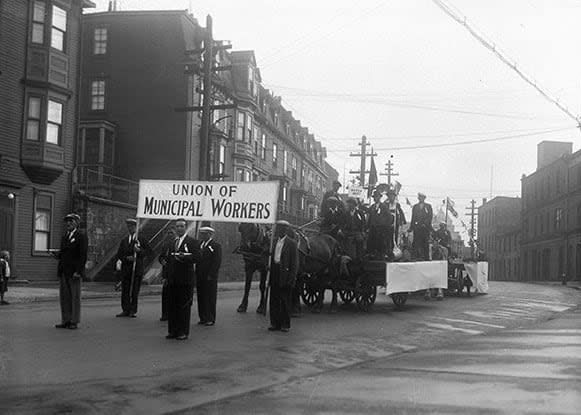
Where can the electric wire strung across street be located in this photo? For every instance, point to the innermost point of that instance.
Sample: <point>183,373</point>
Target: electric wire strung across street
<point>455,14</point>
<point>380,100</point>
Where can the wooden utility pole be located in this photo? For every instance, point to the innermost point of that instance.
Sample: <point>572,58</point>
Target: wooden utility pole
<point>208,68</point>
<point>363,156</point>
<point>389,172</point>
<point>473,218</point>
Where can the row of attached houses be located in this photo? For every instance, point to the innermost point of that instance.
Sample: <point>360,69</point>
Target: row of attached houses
<point>537,236</point>
<point>92,111</point>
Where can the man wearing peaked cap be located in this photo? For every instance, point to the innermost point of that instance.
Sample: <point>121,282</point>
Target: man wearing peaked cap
<point>131,255</point>
<point>207,271</point>
<point>72,257</point>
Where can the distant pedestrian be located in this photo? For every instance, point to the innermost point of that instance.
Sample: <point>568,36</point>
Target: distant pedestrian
<point>283,275</point>
<point>132,253</point>
<point>181,282</point>
<point>164,260</point>
<point>72,257</point>
<point>207,270</point>
<point>4,275</point>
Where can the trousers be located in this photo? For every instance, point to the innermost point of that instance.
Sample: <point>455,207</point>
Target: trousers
<point>70,299</point>
<point>128,298</point>
<point>207,292</point>
<point>180,298</point>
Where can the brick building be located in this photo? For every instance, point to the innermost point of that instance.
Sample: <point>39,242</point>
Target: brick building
<point>551,214</point>
<point>39,75</point>
<point>499,236</point>
<point>136,77</point>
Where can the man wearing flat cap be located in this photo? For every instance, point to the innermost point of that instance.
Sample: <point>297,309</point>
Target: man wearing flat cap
<point>72,257</point>
<point>283,275</point>
<point>207,270</point>
<point>330,197</point>
<point>421,226</point>
<point>131,255</point>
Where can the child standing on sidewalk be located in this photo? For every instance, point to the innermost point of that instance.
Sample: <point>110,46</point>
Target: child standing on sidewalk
<point>4,275</point>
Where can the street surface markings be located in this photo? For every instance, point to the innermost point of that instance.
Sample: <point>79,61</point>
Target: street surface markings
<point>557,308</point>
<point>535,300</point>
<point>495,314</point>
<point>452,328</point>
<point>514,311</point>
<point>471,322</point>
<point>549,331</point>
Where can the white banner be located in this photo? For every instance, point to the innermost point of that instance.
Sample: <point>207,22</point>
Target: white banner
<point>478,274</point>
<point>255,202</point>
<point>407,277</point>
<point>357,192</point>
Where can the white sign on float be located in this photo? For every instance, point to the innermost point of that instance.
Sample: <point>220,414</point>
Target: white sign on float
<point>356,192</point>
<point>254,202</point>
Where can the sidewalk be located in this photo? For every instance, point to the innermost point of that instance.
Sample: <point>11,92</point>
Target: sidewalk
<point>49,291</point>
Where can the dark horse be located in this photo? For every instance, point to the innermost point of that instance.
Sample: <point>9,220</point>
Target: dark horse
<point>254,246</point>
<point>321,263</point>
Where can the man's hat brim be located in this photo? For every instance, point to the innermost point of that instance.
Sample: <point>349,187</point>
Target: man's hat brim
<point>130,220</point>
<point>207,229</point>
<point>282,223</point>
<point>72,216</point>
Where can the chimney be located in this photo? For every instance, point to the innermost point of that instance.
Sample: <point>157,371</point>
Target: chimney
<point>551,151</point>
<point>484,200</point>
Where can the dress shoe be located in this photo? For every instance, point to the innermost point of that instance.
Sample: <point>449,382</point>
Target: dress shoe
<point>171,336</point>
<point>182,337</point>
<point>3,302</point>
<point>122,315</point>
<point>285,329</point>
<point>202,323</point>
<point>132,315</point>
<point>62,326</point>
<point>72,326</point>
<point>209,323</point>
<point>273,328</point>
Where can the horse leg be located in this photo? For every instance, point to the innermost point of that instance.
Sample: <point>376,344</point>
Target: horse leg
<point>244,304</point>
<point>333,301</point>
<point>262,305</point>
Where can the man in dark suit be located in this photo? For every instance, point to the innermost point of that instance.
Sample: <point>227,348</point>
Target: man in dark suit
<point>421,226</point>
<point>163,260</point>
<point>283,275</point>
<point>327,201</point>
<point>378,224</point>
<point>184,254</point>
<point>207,275</point>
<point>398,219</point>
<point>354,230</point>
<point>132,253</point>
<point>72,257</point>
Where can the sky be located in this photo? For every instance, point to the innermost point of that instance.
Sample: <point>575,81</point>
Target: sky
<point>405,74</point>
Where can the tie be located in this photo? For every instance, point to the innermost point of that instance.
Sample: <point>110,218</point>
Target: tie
<point>177,244</point>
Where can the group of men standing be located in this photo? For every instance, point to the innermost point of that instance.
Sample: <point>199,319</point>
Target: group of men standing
<point>381,222</point>
<point>186,263</point>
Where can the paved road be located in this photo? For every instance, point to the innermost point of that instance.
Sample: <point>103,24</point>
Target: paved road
<point>126,366</point>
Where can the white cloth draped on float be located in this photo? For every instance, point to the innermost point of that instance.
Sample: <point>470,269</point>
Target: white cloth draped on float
<point>404,277</point>
<point>478,274</point>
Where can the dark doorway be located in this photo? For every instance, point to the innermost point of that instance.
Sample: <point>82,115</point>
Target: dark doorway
<point>6,222</point>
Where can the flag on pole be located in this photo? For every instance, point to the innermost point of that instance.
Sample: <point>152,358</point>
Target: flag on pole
<point>372,177</point>
<point>407,201</point>
<point>451,205</point>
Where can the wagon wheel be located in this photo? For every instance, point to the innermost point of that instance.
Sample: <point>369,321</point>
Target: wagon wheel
<point>310,294</point>
<point>366,297</point>
<point>399,299</point>
<point>347,296</point>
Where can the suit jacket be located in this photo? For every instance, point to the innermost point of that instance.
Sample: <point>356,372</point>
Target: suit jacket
<point>125,253</point>
<point>289,263</point>
<point>73,254</point>
<point>210,260</point>
<point>354,223</point>
<point>379,216</point>
<point>399,215</point>
<point>182,272</point>
<point>421,218</point>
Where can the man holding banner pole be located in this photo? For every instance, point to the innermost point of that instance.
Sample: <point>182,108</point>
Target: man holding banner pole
<point>184,254</point>
<point>131,255</point>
